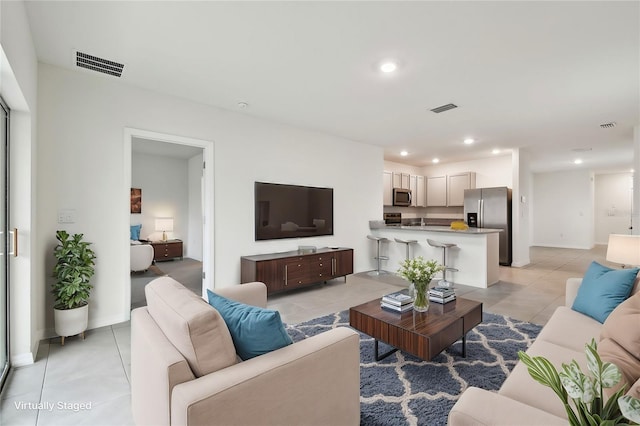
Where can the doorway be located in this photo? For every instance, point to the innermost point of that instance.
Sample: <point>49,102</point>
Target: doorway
<point>147,147</point>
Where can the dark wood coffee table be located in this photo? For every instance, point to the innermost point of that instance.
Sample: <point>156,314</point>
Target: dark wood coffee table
<point>424,334</point>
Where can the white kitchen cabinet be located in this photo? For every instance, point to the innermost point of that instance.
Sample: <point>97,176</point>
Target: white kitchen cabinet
<point>456,186</point>
<point>418,191</point>
<point>437,191</point>
<point>401,180</point>
<point>387,188</point>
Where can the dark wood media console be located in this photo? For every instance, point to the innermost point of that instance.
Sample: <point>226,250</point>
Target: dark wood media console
<point>289,270</point>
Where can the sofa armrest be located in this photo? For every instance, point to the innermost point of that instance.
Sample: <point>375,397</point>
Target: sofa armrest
<point>481,407</point>
<point>254,293</point>
<point>571,291</point>
<point>156,367</point>
<point>314,382</point>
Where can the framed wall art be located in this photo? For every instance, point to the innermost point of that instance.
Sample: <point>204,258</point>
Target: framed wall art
<point>136,200</point>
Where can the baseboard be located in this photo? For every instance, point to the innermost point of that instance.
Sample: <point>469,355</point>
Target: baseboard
<point>114,319</point>
<point>550,245</point>
<point>520,264</point>
<point>23,359</point>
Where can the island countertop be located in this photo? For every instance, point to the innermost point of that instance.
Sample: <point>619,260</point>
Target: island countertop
<point>475,255</point>
<point>431,228</point>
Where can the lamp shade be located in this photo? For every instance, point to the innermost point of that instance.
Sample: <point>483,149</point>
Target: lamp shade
<point>624,249</point>
<point>164,224</point>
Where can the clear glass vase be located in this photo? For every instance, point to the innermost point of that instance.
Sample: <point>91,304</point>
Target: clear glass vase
<point>421,298</point>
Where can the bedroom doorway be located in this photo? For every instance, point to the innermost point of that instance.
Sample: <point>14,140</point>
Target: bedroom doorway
<point>173,183</point>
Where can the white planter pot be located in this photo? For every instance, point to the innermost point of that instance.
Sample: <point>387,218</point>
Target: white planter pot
<point>69,322</point>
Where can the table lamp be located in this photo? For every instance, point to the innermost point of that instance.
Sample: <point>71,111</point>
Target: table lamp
<point>164,224</point>
<point>624,249</point>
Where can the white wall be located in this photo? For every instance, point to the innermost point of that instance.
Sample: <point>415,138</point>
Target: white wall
<point>613,203</point>
<point>391,166</point>
<point>18,87</point>
<point>164,183</point>
<point>562,209</point>
<point>81,127</point>
<point>490,172</point>
<point>193,244</point>
<point>521,208</point>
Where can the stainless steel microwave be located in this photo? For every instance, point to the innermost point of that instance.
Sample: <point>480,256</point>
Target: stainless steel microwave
<point>401,197</point>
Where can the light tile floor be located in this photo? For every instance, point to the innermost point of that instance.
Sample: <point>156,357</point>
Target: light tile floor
<point>87,382</point>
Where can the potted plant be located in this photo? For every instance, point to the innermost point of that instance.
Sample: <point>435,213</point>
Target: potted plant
<point>73,271</point>
<point>419,272</point>
<point>588,406</point>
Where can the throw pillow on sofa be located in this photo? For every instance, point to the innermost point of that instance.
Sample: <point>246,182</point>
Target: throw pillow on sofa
<point>196,330</point>
<point>602,290</point>
<point>255,331</point>
<point>620,341</point>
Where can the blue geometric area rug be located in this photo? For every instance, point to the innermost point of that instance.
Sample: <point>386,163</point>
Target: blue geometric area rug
<point>404,390</point>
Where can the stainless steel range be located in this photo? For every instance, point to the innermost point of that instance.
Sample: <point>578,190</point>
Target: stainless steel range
<point>393,219</point>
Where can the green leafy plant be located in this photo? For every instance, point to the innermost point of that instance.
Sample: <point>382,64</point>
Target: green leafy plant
<point>73,271</point>
<point>420,272</point>
<point>584,390</point>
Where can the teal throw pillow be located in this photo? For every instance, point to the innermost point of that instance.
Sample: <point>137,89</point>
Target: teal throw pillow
<point>135,232</point>
<point>255,331</point>
<point>602,290</point>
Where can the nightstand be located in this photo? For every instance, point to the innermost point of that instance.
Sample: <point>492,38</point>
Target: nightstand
<point>167,250</point>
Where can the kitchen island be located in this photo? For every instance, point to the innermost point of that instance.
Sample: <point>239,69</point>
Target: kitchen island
<point>476,256</point>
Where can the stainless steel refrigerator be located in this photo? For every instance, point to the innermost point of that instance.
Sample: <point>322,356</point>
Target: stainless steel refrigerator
<point>491,207</point>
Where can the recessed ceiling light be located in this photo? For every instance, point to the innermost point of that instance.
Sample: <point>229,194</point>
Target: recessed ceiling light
<point>577,161</point>
<point>435,160</point>
<point>243,105</point>
<point>468,141</point>
<point>404,153</point>
<point>495,151</point>
<point>388,66</point>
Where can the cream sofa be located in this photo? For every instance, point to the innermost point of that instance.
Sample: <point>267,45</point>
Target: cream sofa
<point>184,370</point>
<point>523,401</point>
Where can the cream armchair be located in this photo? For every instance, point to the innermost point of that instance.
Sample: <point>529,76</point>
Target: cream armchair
<point>141,257</point>
<point>183,371</point>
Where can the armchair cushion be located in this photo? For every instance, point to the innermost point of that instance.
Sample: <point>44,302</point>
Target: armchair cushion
<point>191,325</point>
<point>255,331</point>
<point>602,290</point>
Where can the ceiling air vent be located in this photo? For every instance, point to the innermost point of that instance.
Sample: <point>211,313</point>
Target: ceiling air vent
<point>444,108</point>
<point>98,64</point>
<point>608,125</point>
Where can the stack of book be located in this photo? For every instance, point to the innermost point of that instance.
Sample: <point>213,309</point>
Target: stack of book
<point>442,295</point>
<point>399,301</point>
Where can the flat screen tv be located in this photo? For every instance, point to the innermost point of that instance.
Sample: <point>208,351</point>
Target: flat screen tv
<point>292,211</point>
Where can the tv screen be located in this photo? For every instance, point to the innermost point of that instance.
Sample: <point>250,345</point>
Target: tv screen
<point>292,211</point>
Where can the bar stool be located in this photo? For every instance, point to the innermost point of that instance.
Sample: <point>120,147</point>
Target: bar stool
<point>444,246</point>
<point>378,241</point>
<point>408,243</point>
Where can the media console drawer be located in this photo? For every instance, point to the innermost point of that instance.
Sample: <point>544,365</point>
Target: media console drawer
<point>289,270</point>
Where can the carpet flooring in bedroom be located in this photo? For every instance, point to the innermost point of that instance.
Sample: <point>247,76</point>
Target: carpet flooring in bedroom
<point>186,271</point>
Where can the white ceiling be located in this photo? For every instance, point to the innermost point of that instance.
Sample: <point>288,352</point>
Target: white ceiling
<point>541,76</point>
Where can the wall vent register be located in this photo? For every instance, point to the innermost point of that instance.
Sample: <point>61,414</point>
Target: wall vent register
<point>94,63</point>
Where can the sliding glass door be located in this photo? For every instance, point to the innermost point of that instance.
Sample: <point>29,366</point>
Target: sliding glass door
<point>4,242</point>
